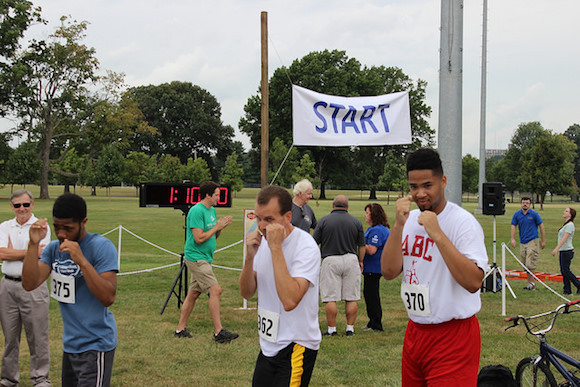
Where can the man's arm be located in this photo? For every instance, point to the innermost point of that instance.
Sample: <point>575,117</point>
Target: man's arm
<point>463,270</point>
<point>290,290</point>
<point>201,236</point>
<point>392,257</point>
<point>103,286</point>
<point>513,235</point>
<point>361,256</point>
<point>248,281</point>
<point>543,234</point>
<point>34,271</point>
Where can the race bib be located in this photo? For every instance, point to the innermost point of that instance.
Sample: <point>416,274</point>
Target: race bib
<point>62,288</point>
<point>416,299</point>
<point>268,324</point>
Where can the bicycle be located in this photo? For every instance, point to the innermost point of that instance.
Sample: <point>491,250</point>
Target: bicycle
<point>535,370</point>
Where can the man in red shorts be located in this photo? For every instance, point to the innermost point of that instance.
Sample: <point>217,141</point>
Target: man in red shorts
<point>440,250</point>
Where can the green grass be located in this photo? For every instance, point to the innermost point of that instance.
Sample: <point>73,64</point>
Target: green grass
<point>149,355</point>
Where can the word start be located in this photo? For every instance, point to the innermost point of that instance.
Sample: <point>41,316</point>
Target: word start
<point>349,119</point>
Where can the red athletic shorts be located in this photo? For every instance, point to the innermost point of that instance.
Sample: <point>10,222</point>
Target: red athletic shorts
<point>445,354</point>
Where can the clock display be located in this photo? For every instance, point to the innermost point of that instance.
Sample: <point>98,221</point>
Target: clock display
<point>178,195</point>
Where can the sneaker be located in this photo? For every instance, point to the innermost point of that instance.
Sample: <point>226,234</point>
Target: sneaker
<point>329,334</point>
<point>225,336</point>
<point>350,333</point>
<point>530,286</point>
<point>366,328</point>
<point>184,333</point>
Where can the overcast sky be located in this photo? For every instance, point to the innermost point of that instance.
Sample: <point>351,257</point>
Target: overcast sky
<point>533,49</point>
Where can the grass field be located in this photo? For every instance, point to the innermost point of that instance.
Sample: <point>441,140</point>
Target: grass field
<point>148,354</point>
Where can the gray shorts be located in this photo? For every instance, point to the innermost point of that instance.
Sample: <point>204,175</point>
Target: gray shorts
<point>340,278</point>
<point>201,276</point>
<point>91,368</point>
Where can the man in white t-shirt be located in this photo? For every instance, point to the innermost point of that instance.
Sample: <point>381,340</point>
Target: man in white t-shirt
<point>18,307</point>
<point>282,265</point>
<point>440,250</point>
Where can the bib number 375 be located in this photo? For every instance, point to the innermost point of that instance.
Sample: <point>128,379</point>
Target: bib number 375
<point>62,288</point>
<point>416,299</point>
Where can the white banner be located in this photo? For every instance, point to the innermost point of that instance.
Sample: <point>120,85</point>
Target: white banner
<point>328,120</point>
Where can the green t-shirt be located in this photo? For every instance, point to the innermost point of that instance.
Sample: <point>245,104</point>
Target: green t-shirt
<point>200,216</point>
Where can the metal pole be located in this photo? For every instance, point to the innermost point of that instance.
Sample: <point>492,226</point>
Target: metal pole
<point>265,101</point>
<point>450,95</point>
<point>482,144</point>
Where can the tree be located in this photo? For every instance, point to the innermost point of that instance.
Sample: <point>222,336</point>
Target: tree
<point>393,176</point>
<point>549,166</point>
<point>332,72</point>
<point>306,170</point>
<point>232,173</point>
<point>23,166</point>
<point>470,174</point>
<point>53,92</point>
<point>282,163</point>
<point>196,171</point>
<point>72,164</point>
<point>573,134</point>
<point>187,118</point>
<point>5,151</point>
<point>15,18</point>
<point>136,164</point>
<point>108,168</point>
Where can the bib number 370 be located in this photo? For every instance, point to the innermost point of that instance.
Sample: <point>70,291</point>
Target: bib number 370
<point>416,299</point>
<point>268,324</point>
<point>62,288</point>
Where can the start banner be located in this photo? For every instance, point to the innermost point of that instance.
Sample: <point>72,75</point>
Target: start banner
<point>328,120</point>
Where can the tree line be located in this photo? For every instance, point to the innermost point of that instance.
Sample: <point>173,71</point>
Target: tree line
<point>79,124</point>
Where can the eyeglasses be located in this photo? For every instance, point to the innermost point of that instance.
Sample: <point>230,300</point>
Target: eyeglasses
<point>17,205</point>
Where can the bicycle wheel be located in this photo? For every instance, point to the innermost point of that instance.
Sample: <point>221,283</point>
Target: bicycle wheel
<point>525,374</point>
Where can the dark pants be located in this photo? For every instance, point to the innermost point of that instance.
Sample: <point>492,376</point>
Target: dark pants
<point>373,300</point>
<point>568,276</point>
<point>292,366</point>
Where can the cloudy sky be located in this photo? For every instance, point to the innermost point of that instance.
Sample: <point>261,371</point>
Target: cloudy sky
<point>533,49</point>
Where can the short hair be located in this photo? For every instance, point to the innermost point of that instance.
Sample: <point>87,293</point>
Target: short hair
<point>301,187</point>
<point>425,158</point>
<point>275,191</point>
<point>19,193</point>
<point>207,188</point>
<point>525,198</point>
<point>70,206</point>
<point>340,201</point>
<point>378,215</point>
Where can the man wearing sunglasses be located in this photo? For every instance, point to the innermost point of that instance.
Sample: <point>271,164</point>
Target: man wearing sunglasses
<point>17,306</point>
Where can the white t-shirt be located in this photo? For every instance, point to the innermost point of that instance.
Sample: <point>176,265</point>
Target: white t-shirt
<point>301,324</point>
<point>424,266</point>
<point>19,235</point>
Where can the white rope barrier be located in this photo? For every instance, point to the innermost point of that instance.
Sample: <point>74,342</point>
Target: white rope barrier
<point>120,228</point>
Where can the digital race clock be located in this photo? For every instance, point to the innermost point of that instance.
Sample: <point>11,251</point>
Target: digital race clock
<point>178,195</point>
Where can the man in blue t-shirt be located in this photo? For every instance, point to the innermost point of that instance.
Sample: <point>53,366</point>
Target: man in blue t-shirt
<point>203,228</point>
<point>528,221</point>
<point>83,268</point>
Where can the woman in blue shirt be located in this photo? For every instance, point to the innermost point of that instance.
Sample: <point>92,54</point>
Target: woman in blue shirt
<point>566,250</point>
<point>376,237</point>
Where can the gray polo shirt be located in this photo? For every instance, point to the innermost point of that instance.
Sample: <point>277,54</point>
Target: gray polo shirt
<point>339,233</point>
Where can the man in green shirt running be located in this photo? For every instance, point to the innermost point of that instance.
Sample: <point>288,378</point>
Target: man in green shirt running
<point>200,245</point>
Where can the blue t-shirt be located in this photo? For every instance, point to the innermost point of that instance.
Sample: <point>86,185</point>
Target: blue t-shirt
<point>375,236</point>
<point>87,324</point>
<point>527,224</point>
<point>199,216</point>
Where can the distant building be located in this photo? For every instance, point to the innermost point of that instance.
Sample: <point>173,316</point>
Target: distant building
<point>489,153</point>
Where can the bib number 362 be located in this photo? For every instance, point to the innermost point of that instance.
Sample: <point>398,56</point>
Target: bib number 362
<point>62,288</point>
<point>416,299</point>
<point>268,324</point>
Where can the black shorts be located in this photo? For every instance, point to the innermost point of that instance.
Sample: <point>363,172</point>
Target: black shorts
<point>91,368</point>
<point>292,366</point>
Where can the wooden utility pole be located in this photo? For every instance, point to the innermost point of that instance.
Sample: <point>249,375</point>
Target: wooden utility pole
<point>265,101</point>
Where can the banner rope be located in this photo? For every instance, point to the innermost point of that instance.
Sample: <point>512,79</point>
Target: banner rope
<point>282,164</point>
<point>120,228</point>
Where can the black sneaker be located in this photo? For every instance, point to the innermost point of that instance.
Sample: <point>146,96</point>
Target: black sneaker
<point>184,333</point>
<point>349,333</point>
<point>225,336</point>
<point>330,334</point>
